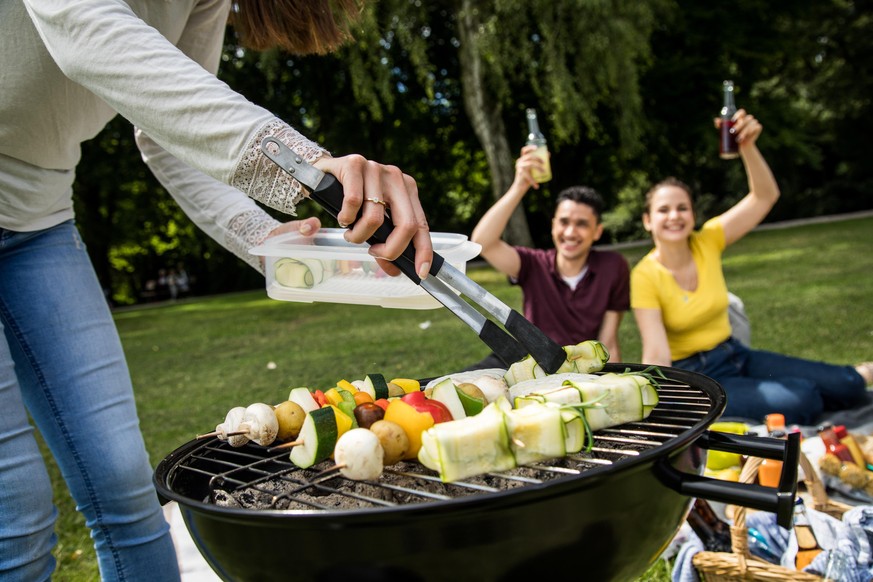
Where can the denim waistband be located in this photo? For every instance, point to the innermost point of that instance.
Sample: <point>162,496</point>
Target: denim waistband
<point>725,349</point>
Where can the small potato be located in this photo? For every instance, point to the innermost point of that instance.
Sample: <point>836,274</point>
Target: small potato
<point>395,390</point>
<point>395,443</point>
<point>290,416</point>
<point>359,454</point>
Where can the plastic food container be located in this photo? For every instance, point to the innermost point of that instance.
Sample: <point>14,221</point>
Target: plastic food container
<point>326,268</point>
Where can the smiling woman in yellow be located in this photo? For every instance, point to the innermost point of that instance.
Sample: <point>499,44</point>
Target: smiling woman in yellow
<point>680,302</point>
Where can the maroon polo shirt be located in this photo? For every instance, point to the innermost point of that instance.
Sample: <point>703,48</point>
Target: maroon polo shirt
<point>566,315</point>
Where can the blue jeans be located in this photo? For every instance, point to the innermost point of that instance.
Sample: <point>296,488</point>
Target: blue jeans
<point>758,383</point>
<point>61,361</point>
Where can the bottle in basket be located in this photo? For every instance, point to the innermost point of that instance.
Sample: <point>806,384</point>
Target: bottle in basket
<point>728,149</point>
<point>770,470</point>
<point>536,137</point>
<point>807,544</point>
<point>712,531</point>
<point>832,443</point>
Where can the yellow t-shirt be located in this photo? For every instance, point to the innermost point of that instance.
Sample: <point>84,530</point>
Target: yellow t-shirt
<point>697,320</point>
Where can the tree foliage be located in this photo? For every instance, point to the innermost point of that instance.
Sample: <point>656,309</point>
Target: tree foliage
<point>626,93</point>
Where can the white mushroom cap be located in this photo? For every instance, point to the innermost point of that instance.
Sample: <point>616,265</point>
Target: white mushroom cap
<point>359,454</point>
<point>261,422</point>
<point>231,424</point>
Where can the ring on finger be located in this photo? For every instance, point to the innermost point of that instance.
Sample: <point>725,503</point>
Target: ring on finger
<point>377,201</point>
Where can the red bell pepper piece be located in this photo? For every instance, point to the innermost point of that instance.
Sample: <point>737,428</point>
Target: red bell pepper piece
<point>438,410</point>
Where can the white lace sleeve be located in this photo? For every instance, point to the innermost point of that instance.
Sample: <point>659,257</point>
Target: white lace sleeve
<point>263,180</point>
<point>247,230</point>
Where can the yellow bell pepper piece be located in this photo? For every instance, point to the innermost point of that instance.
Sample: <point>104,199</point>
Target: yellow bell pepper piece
<point>346,385</point>
<point>408,384</point>
<point>343,421</point>
<point>412,421</point>
<point>333,396</point>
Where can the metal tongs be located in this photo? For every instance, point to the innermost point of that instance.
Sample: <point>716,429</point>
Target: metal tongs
<point>327,191</point>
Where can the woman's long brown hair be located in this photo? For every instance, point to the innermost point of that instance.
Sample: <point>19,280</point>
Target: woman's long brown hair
<point>298,26</point>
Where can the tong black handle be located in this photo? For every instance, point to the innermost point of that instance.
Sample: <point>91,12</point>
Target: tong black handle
<point>329,195</point>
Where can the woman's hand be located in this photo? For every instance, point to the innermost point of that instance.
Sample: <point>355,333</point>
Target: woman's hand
<point>306,227</point>
<point>747,128</point>
<point>376,187</point>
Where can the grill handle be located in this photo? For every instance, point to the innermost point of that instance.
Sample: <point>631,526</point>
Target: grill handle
<point>778,500</point>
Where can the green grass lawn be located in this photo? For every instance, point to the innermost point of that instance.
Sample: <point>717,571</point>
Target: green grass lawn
<point>808,291</point>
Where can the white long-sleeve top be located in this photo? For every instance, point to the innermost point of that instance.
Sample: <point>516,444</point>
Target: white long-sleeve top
<point>69,66</point>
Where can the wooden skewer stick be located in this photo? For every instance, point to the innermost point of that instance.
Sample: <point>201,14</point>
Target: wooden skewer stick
<point>216,433</point>
<point>287,445</point>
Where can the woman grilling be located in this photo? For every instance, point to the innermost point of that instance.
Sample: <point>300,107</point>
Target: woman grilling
<point>680,302</point>
<point>68,68</point>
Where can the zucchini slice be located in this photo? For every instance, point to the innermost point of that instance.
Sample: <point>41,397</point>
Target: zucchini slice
<point>470,446</point>
<point>317,437</point>
<point>537,432</point>
<point>303,397</point>
<point>293,273</point>
<point>446,393</point>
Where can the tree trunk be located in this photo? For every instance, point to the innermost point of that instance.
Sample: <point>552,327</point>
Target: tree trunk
<point>485,113</point>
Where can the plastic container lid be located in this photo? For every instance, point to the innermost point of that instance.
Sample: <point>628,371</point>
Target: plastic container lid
<point>326,268</point>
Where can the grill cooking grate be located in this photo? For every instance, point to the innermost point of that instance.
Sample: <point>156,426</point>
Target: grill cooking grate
<point>253,477</point>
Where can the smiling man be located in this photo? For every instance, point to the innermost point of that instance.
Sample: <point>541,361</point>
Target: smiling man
<point>572,292</point>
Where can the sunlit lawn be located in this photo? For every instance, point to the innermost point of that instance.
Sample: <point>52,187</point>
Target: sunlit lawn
<point>808,291</point>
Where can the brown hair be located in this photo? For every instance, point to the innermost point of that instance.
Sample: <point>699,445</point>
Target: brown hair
<point>671,181</point>
<point>300,27</point>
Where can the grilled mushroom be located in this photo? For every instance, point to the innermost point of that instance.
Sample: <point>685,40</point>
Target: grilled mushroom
<point>260,421</point>
<point>358,454</point>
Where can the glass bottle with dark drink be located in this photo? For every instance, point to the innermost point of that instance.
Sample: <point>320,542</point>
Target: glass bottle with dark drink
<point>728,149</point>
<point>714,532</point>
<point>807,544</point>
<point>536,137</point>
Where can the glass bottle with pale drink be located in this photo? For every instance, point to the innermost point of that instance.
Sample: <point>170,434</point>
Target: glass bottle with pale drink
<point>536,137</point>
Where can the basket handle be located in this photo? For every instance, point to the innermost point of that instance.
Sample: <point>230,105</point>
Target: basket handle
<point>814,484</point>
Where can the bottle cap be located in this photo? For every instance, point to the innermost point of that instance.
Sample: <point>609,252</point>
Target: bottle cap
<point>775,421</point>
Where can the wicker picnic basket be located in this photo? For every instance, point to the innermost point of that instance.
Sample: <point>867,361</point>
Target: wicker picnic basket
<point>740,564</point>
